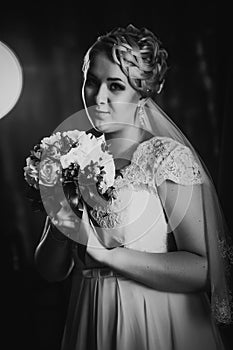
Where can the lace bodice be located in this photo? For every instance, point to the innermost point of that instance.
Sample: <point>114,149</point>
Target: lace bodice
<point>136,209</point>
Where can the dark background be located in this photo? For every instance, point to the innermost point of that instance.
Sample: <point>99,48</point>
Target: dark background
<point>50,41</point>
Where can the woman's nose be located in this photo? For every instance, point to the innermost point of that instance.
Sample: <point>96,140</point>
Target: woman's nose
<point>102,96</point>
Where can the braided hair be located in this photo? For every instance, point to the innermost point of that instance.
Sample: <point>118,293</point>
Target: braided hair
<point>139,54</point>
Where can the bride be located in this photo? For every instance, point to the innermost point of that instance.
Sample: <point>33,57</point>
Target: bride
<point>153,272</point>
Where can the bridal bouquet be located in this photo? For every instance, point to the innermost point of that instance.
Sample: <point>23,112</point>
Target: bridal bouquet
<point>69,160</point>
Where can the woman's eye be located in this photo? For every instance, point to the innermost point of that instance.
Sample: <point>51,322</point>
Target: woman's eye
<point>116,87</point>
<point>91,82</point>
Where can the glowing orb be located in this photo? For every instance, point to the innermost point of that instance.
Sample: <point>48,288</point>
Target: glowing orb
<point>11,79</point>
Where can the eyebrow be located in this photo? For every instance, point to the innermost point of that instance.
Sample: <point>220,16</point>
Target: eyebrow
<point>115,79</point>
<point>108,79</point>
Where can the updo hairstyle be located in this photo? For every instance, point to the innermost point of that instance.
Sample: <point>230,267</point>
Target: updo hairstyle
<point>139,54</point>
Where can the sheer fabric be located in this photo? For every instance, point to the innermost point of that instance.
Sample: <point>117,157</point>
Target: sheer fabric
<point>218,237</point>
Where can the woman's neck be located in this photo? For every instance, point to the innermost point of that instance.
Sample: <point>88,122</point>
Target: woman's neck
<point>123,144</point>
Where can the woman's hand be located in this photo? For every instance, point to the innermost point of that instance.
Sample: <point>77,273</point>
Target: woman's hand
<point>65,220</point>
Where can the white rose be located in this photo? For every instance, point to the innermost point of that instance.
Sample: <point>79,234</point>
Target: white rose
<point>74,135</point>
<point>48,141</point>
<point>49,172</point>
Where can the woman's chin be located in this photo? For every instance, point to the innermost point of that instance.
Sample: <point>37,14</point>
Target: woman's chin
<point>104,127</point>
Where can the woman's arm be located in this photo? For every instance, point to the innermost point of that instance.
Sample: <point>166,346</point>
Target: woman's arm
<point>170,272</point>
<point>184,270</point>
<point>53,255</point>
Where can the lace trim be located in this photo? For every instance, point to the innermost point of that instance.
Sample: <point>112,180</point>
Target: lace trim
<point>105,218</point>
<point>226,251</point>
<point>222,309</point>
<point>136,176</point>
<point>179,166</point>
<point>222,303</point>
<point>173,161</point>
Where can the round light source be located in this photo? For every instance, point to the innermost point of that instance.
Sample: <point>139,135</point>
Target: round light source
<point>11,79</point>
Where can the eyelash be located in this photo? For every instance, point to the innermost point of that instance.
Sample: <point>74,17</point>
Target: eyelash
<point>118,87</point>
<point>113,86</point>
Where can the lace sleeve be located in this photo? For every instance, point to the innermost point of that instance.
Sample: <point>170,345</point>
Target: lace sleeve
<point>178,166</point>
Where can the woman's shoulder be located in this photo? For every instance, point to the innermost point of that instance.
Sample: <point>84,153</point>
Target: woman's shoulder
<point>152,152</point>
<point>163,142</point>
<point>159,147</point>
<point>169,159</point>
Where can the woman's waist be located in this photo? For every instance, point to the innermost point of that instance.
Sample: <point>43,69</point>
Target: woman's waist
<point>90,268</point>
<point>99,272</point>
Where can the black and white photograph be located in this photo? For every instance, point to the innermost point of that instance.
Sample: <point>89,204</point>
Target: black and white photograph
<point>116,191</point>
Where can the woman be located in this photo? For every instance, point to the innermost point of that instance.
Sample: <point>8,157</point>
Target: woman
<point>152,254</point>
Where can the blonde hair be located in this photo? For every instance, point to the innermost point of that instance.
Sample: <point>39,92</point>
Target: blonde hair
<point>139,54</point>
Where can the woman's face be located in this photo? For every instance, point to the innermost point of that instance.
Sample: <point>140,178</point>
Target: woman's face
<point>109,99</point>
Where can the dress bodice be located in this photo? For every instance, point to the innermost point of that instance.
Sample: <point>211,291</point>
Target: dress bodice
<point>134,216</point>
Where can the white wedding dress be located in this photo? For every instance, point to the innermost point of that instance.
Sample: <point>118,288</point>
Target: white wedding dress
<point>108,311</point>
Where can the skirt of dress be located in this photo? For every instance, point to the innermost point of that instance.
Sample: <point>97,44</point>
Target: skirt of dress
<point>110,312</point>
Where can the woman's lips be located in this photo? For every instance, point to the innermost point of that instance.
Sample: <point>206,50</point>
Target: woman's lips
<point>101,113</point>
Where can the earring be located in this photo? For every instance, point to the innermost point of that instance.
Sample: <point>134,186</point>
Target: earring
<point>141,114</point>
